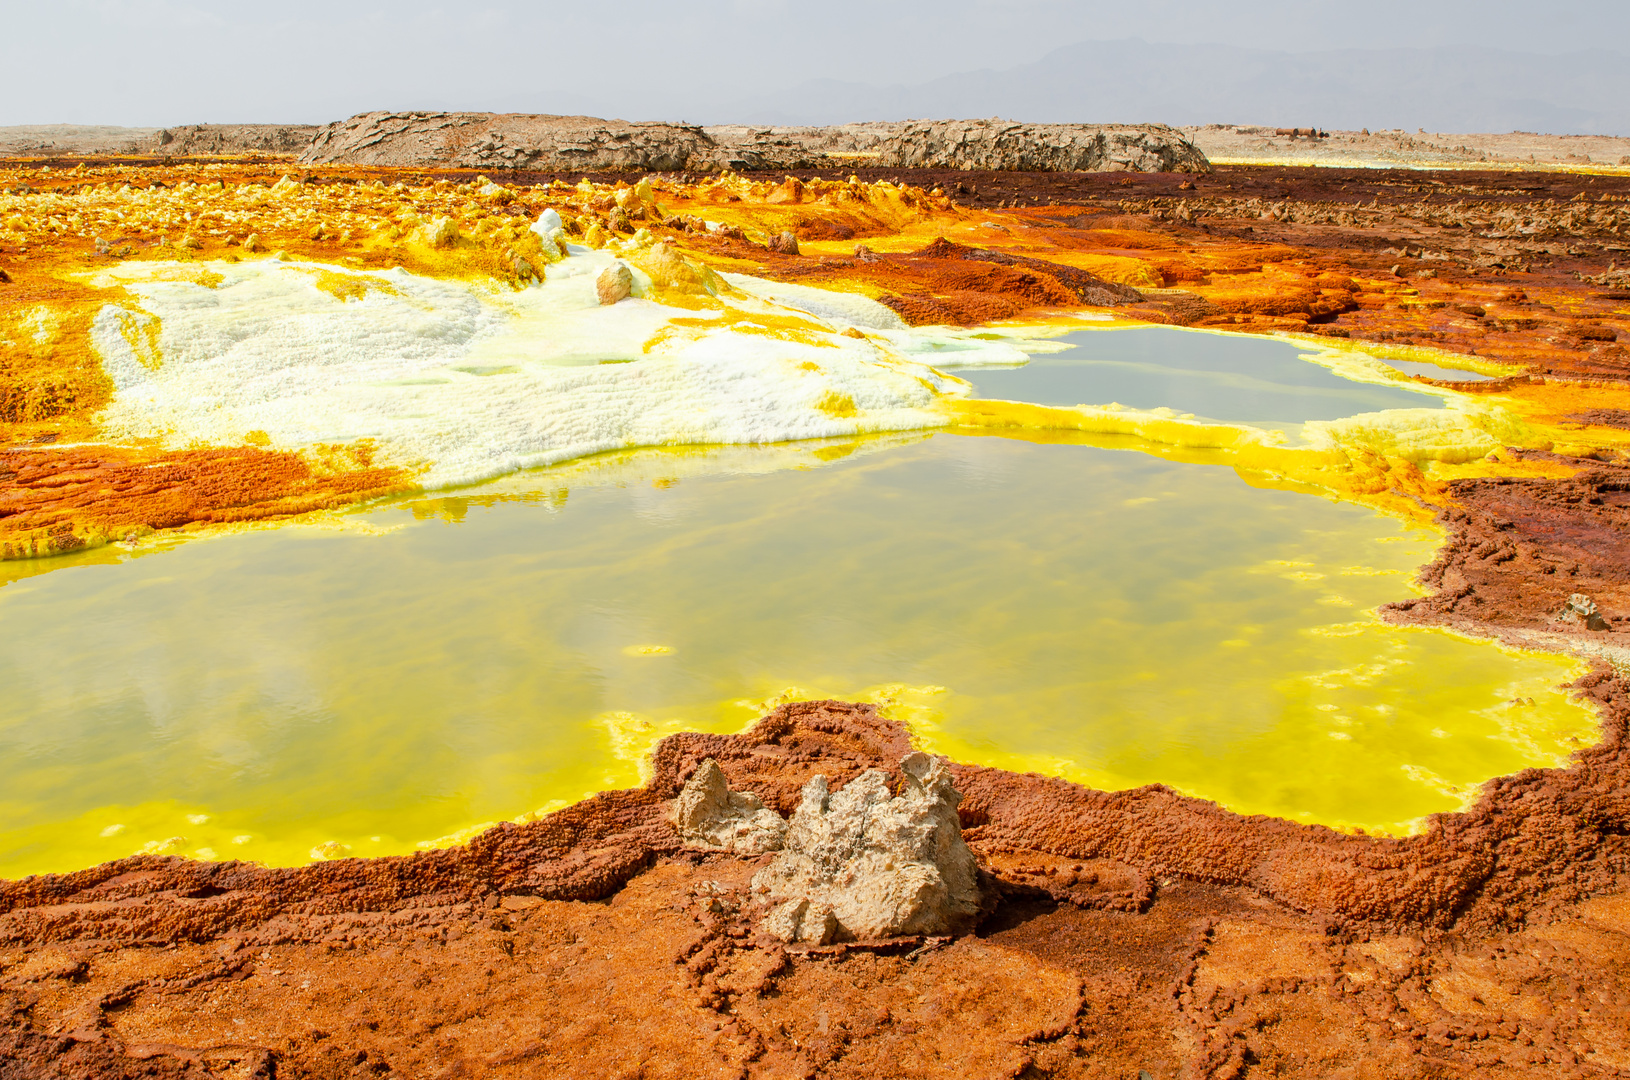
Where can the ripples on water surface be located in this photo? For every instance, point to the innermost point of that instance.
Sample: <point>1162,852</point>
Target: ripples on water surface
<point>1102,609</point>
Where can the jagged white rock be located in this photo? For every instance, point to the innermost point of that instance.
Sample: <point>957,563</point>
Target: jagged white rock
<point>708,814</point>
<point>884,866</point>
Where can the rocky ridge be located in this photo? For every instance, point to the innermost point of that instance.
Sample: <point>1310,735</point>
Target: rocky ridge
<point>505,140</point>
<point>190,140</point>
<point>966,144</point>
<point>520,141</point>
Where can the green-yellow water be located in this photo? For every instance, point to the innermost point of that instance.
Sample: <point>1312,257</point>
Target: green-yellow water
<point>1105,614</point>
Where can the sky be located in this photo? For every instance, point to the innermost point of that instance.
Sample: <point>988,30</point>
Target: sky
<point>167,62</point>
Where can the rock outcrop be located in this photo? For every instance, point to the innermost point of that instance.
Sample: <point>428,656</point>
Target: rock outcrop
<point>1003,145</point>
<point>964,144</point>
<point>568,143</point>
<point>878,866</point>
<point>1580,613</point>
<point>191,140</point>
<point>507,140</point>
<point>708,814</point>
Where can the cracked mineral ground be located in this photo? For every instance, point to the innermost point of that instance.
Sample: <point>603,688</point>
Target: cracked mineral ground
<point>1139,930</point>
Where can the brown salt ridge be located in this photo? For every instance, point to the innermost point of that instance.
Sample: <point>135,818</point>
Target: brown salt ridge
<point>58,501</point>
<point>1136,929</point>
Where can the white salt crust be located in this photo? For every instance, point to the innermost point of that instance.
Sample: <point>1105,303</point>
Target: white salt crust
<point>468,382</point>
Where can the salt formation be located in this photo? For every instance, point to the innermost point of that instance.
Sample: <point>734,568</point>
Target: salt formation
<point>855,864</point>
<point>708,814</point>
<point>460,381</point>
<point>802,921</point>
<point>614,283</point>
<point>875,866</point>
<point>1580,613</point>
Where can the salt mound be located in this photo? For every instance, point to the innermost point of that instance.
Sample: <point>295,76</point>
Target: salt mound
<point>466,380</point>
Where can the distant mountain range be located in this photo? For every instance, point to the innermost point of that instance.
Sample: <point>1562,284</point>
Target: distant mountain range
<point>1135,81</point>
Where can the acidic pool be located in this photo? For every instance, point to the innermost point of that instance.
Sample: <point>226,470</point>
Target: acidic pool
<point>1080,608</point>
<point>1226,377</point>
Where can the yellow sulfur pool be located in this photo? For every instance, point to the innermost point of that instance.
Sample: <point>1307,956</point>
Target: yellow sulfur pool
<point>1088,606</point>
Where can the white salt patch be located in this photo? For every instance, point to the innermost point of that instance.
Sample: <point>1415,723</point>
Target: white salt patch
<point>547,223</point>
<point>471,381</point>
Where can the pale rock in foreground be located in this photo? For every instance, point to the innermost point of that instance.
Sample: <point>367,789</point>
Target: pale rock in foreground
<point>708,814</point>
<point>884,867</point>
<point>615,283</point>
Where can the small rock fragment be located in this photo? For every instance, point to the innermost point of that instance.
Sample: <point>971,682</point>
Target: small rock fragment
<point>1580,613</point>
<point>614,283</point>
<point>252,242</point>
<point>784,243</point>
<point>708,814</point>
<point>547,225</point>
<point>441,233</point>
<point>801,921</point>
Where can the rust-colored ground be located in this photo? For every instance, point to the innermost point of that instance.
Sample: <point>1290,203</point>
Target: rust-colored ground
<point>1139,930</point>
<point>53,502</point>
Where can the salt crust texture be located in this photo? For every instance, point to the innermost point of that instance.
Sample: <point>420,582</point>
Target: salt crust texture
<point>461,382</point>
<point>853,864</point>
<point>865,865</point>
<point>468,382</point>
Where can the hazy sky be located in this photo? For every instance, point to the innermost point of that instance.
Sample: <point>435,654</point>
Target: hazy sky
<point>160,62</point>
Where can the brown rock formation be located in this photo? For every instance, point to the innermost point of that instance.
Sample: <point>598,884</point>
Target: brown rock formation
<point>965,144</point>
<point>505,140</point>
<point>192,140</point>
<point>1519,548</point>
<point>520,141</point>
